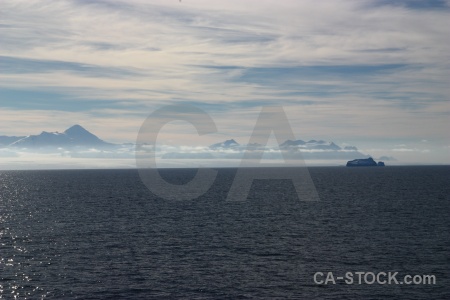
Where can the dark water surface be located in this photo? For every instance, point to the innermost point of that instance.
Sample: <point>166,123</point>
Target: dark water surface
<point>100,234</point>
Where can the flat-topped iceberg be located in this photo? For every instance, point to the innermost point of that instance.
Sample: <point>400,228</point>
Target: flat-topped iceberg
<point>364,162</point>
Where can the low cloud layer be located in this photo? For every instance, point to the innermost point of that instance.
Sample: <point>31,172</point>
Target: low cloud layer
<point>369,73</point>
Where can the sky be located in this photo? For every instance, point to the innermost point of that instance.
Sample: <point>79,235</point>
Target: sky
<point>373,74</point>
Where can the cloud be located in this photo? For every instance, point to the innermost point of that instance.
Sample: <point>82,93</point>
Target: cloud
<point>368,69</point>
<point>410,150</point>
<point>8,153</point>
<point>387,158</point>
<point>403,150</point>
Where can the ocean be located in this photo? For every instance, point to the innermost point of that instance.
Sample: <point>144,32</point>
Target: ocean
<point>101,234</point>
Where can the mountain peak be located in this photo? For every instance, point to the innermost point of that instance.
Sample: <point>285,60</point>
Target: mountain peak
<point>76,129</point>
<point>75,136</point>
<point>82,136</point>
<point>291,143</point>
<point>227,144</point>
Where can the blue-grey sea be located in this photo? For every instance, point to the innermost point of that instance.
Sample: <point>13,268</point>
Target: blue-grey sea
<point>101,234</point>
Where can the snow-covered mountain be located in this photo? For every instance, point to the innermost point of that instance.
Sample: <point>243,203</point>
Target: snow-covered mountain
<point>82,137</point>
<point>225,145</point>
<point>75,136</point>
<point>289,144</point>
<point>312,144</point>
<point>312,149</point>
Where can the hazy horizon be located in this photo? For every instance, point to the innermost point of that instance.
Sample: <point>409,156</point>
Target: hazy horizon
<point>370,74</point>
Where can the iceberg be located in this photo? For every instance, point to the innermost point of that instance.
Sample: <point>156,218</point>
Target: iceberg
<point>363,162</point>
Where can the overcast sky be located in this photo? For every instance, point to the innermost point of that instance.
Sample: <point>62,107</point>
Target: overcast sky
<point>367,73</point>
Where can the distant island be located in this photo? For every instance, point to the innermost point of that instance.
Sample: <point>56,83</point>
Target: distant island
<point>364,162</point>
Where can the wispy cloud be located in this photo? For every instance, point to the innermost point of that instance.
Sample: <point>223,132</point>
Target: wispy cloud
<point>342,69</point>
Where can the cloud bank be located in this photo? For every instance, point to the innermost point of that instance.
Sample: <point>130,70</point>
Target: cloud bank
<point>371,73</point>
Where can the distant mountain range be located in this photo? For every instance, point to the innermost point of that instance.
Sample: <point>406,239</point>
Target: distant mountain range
<point>312,144</point>
<point>75,136</point>
<point>289,144</point>
<point>312,149</point>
